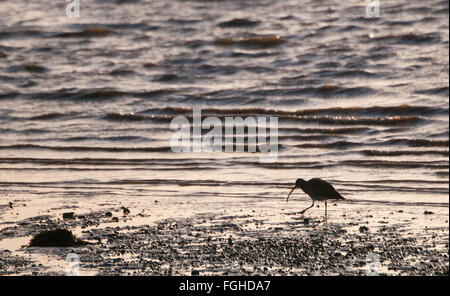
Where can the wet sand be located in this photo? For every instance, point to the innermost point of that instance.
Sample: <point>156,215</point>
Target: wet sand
<point>240,237</point>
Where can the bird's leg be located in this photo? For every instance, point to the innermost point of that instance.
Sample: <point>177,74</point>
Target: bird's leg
<point>307,208</point>
<point>325,210</point>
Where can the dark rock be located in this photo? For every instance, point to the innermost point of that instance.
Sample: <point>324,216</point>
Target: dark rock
<point>195,273</point>
<point>108,214</point>
<point>428,213</point>
<point>56,238</point>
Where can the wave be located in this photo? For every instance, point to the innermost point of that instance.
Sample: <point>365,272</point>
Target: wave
<point>396,164</point>
<point>239,22</point>
<point>9,95</point>
<point>281,115</point>
<point>111,139</point>
<point>77,94</point>
<point>88,32</point>
<point>236,147</point>
<point>441,91</point>
<point>332,145</point>
<point>346,73</point>
<point>404,152</point>
<point>380,186</point>
<point>107,161</point>
<point>393,142</point>
<point>20,34</point>
<point>85,148</point>
<point>87,94</point>
<point>331,120</point>
<point>125,117</point>
<point>418,142</point>
<point>320,91</point>
<point>409,39</point>
<point>121,72</point>
<point>400,110</point>
<point>51,116</point>
<point>167,78</point>
<point>327,131</point>
<point>33,68</point>
<point>256,42</point>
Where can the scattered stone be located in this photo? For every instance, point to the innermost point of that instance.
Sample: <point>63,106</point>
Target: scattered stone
<point>69,215</point>
<point>126,211</point>
<point>197,247</point>
<point>428,213</point>
<point>363,229</point>
<point>108,214</point>
<point>306,221</point>
<point>10,205</point>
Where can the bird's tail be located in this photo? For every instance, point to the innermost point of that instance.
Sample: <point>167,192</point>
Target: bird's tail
<point>339,196</point>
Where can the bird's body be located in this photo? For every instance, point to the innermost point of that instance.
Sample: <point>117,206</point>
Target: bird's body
<point>317,189</point>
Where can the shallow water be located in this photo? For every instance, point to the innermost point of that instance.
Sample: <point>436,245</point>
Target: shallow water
<point>85,104</point>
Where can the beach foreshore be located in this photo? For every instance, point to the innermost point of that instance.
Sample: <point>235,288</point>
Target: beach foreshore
<point>257,237</point>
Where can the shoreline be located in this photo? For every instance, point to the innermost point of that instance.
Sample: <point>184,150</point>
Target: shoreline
<point>244,238</point>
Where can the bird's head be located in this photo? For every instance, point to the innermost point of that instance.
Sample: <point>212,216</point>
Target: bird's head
<point>299,183</point>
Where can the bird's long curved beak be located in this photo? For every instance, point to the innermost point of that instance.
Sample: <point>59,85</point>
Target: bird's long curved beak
<point>290,193</point>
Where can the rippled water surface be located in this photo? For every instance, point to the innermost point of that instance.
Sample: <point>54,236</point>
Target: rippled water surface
<point>86,103</point>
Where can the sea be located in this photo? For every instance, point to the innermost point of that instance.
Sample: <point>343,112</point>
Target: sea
<point>361,100</point>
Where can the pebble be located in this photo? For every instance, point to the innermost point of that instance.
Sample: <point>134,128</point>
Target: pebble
<point>126,211</point>
<point>69,215</point>
<point>363,229</point>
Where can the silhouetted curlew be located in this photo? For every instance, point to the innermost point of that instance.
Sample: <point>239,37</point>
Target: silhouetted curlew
<point>317,189</point>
